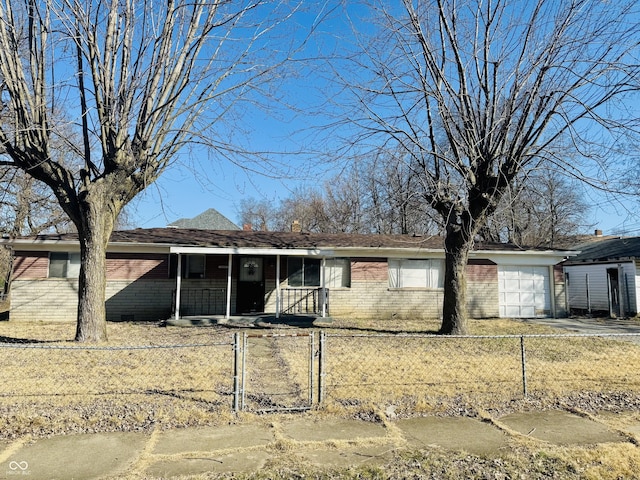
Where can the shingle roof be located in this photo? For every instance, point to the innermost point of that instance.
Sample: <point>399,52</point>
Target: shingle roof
<point>210,219</point>
<point>609,249</point>
<point>284,240</point>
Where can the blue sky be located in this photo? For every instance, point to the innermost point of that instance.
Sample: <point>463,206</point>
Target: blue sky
<point>188,188</point>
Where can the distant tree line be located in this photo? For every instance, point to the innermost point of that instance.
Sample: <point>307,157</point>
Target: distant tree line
<point>381,195</point>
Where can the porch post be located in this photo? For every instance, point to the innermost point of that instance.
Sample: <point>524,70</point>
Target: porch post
<point>178,286</point>
<point>229,267</point>
<point>552,291</point>
<point>324,288</point>
<point>278,286</point>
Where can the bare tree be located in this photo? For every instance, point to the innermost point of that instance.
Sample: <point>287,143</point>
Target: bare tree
<point>540,210</point>
<point>136,81</point>
<point>478,92</point>
<point>257,214</point>
<point>306,205</point>
<point>370,196</point>
<point>27,206</point>
<point>395,197</point>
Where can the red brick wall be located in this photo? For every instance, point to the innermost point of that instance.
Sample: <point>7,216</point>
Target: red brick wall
<point>120,266</point>
<point>478,272</point>
<point>369,270</point>
<point>213,270</point>
<point>29,265</point>
<point>134,266</point>
<point>558,274</point>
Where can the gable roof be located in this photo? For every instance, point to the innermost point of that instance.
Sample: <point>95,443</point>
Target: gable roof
<point>210,219</point>
<point>619,248</point>
<point>183,240</point>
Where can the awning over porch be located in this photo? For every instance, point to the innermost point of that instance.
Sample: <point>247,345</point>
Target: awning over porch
<point>317,296</point>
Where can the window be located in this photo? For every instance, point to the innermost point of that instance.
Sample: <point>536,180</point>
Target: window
<point>306,272</point>
<point>406,273</point>
<point>303,272</point>
<point>193,266</point>
<point>338,272</point>
<point>64,265</point>
<point>251,269</point>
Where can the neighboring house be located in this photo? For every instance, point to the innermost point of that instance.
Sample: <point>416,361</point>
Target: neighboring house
<point>210,219</point>
<point>604,278</point>
<point>155,274</point>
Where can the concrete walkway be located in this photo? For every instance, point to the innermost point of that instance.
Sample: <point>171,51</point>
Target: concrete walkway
<point>308,439</point>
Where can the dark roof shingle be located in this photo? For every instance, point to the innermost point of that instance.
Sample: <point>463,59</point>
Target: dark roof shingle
<point>283,240</point>
<point>609,249</point>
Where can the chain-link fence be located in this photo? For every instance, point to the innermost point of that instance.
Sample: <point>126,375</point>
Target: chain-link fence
<point>278,372</point>
<point>50,388</point>
<point>62,388</point>
<point>417,371</point>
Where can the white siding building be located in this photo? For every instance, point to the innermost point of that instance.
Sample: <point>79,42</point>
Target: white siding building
<point>603,278</point>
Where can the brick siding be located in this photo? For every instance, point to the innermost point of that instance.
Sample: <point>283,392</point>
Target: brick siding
<point>30,265</point>
<point>131,266</point>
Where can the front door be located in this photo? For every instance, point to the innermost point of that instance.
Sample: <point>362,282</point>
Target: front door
<point>251,285</point>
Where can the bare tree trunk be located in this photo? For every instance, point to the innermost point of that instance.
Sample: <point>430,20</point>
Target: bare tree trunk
<point>454,309</point>
<point>92,324</point>
<point>97,219</point>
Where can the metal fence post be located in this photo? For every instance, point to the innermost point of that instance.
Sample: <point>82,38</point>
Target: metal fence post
<point>244,370</point>
<point>236,371</point>
<point>321,367</point>
<point>312,356</point>
<point>524,365</point>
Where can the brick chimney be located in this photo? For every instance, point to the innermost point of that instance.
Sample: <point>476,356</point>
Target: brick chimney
<point>296,227</point>
<point>247,227</point>
<point>598,233</point>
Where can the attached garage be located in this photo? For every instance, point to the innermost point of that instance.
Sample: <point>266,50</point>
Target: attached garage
<point>524,291</point>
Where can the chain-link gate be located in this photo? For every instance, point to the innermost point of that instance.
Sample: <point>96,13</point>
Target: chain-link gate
<point>277,372</point>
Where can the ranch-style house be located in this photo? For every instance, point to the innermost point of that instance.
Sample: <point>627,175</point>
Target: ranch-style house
<point>164,273</point>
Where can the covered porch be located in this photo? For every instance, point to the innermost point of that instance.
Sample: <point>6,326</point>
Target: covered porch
<point>214,284</point>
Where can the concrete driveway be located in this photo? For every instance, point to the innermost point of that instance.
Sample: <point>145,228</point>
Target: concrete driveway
<point>584,325</point>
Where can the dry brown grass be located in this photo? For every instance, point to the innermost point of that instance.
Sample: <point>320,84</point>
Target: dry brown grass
<point>400,366</point>
<point>187,380</point>
<point>400,369</point>
<point>49,384</point>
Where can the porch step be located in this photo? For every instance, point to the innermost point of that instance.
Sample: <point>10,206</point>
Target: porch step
<point>252,321</point>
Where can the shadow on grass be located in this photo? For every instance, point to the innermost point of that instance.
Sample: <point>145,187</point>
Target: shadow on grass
<point>385,331</point>
<point>26,341</point>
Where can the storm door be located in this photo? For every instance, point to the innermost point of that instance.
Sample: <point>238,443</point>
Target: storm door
<point>251,285</point>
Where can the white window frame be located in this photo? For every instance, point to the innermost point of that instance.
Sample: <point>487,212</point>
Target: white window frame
<point>337,273</point>
<point>416,273</point>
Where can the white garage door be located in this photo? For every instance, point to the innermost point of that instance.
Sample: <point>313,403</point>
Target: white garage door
<point>524,291</point>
